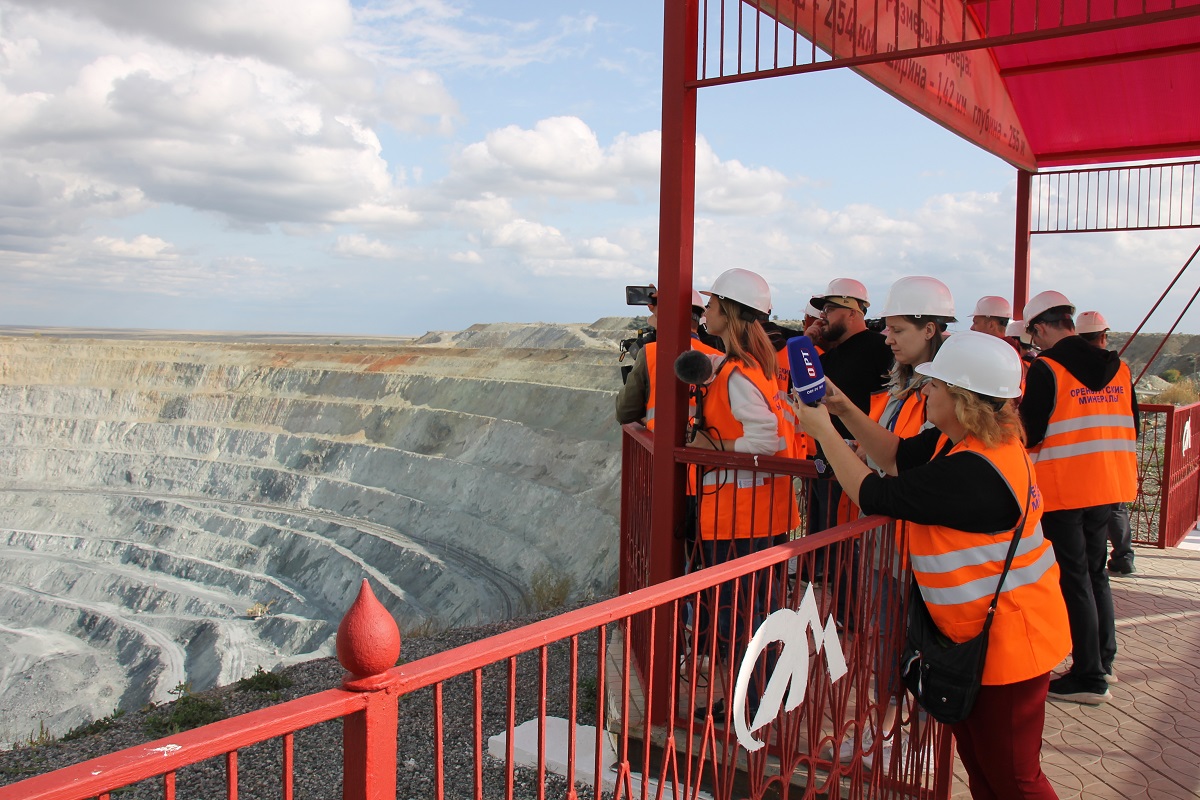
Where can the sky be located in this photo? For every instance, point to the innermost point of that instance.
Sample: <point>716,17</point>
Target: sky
<point>399,166</point>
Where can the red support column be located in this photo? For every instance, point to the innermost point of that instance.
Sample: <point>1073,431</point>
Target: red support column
<point>1021,259</point>
<point>677,203</point>
<point>368,644</point>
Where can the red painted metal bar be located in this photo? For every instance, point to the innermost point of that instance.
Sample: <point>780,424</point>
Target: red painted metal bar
<point>1021,246</point>
<point>105,773</point>
<point>676,237</point>
<point>1116,58</point>
<point>1163,343</point>
<point>944,48</point>
<point>231,775</point>
<point>439,768</point>
<point>289,764</point>
<point>1158,302</point>
<point>1155,197</point>
<point>1169,458</point>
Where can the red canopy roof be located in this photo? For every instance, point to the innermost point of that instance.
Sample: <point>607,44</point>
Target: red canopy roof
<point>1126,94</point>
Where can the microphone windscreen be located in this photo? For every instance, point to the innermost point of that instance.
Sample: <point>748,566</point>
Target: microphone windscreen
<point>808,378</point>
<point>693,367</point>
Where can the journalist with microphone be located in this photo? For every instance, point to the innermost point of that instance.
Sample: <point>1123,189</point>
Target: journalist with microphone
<point>984,574</point>
<point>740,410</point>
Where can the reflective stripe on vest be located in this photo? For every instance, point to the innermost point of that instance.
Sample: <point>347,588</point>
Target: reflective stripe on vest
<point>985,588</point>
<point>743,503</point>
<point>957,574</point>
<point>1088,456</point>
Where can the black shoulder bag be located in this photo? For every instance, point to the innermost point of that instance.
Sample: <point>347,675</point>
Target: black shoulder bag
<point>942,674</point>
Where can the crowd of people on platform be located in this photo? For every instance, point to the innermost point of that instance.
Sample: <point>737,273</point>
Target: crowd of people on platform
<point>1020,427</point>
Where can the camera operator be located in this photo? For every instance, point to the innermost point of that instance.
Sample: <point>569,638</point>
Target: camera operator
<point>635,400</point>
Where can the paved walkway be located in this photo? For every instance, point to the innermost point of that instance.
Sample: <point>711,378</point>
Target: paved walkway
<point>1145,742</point>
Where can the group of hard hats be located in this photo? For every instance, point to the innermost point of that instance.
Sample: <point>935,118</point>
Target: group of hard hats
<point>974,361</point>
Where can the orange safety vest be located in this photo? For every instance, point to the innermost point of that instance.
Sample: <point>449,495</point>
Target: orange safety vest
<point>909,421</point>
<point>651,351</point>
<point>1089,454</point>
<point>957,573</point>
<point>743,503</point>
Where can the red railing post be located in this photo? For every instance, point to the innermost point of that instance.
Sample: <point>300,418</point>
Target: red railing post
<point>1165,479</point>
<point>1021,250</point>
<point>368,644</point>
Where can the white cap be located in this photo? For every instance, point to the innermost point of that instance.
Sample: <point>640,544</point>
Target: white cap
<point>1090,322</point>
<point>840,291</point>
<point>992,306</point>
<point>1016,330</point>
<point>1044,301</point>
<point>698,300</point>
<point>746,287</point>
<point>918,296</point>
<point>811,311</point>
<point>978,362</point>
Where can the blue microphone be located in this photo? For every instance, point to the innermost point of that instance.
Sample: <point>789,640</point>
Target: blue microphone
<point>808,379</point>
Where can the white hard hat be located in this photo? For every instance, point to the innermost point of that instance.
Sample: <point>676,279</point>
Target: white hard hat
<point>1016,330</point>
<point>1044,301</point>
<point>918,296</point>
<point>992,306</point>
<point>811,311</point>
<point>978,362</point>
<point>1090,322</point>
<point>839,290</point>
<point>744,286</point>
<point>698,300</point>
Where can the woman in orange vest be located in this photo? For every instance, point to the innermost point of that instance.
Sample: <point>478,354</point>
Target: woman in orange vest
<point>966,487</point>
<point>917,311</point>
<point>742,511</point>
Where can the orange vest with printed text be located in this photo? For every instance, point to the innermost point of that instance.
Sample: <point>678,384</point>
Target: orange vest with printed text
<point>743,503</point>
<point>957,572</point>
<point>1089,454</point>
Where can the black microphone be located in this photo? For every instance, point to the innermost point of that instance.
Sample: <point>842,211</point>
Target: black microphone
<point>693,367</point>
<point>696,369</point>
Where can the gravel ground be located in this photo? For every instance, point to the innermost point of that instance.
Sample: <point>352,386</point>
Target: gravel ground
<point>318,750</point>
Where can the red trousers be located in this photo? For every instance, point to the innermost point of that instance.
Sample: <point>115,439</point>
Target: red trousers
<point>1000,744</point>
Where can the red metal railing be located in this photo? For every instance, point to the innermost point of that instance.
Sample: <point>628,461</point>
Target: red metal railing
<point>1167,506</point>
<point>828,648</point>
<point>1149,197</point>
<point>828,608</point>
<point>748,39</point>
<point>1180,475</point>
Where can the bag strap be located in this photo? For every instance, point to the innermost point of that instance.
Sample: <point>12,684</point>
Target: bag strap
<point>1012,551</point>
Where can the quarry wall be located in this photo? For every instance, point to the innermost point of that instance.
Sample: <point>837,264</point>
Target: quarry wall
<point>153,491</point>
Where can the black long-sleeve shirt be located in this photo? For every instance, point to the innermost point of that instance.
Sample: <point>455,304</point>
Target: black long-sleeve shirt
<point>960,490</point>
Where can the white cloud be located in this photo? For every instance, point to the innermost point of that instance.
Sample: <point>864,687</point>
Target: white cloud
<point>530,239</point>
<point>358,246</point>
<point>142,247</point>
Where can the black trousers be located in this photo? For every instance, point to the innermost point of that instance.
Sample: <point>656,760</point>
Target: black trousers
<point>1080,539</point>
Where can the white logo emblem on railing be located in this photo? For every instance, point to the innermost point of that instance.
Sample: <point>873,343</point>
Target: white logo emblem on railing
<point>791,670</point>
<point>1187,434</point>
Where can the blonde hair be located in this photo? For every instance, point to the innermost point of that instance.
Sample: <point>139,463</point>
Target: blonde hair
<point>993,421</point>
<point>746,341</point>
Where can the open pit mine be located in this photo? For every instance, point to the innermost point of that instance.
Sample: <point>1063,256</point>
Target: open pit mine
<point>190,510</point>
